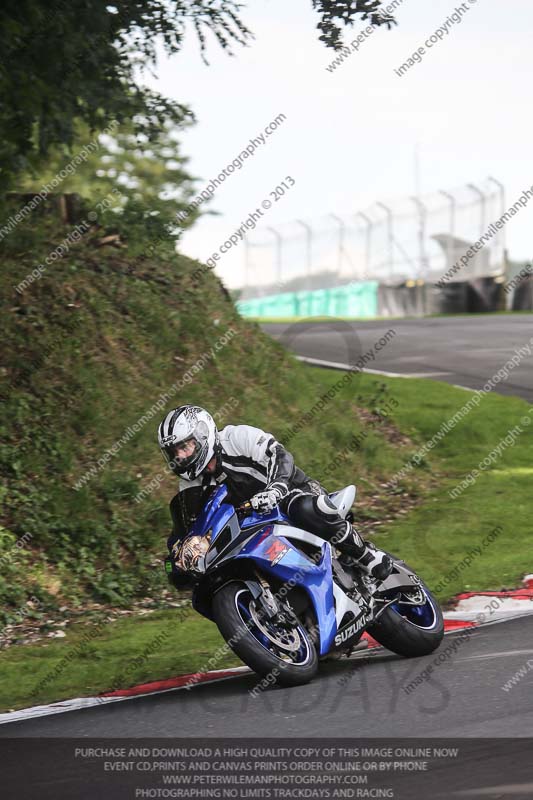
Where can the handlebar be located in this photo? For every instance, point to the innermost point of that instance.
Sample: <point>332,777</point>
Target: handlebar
<point>247,506</point>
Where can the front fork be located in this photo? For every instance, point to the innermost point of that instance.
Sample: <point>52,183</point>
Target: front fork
<point>278,611</point>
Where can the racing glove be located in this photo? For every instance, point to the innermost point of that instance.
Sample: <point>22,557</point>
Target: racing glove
<point>268,500</point>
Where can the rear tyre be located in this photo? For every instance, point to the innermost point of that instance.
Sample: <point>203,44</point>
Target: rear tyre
<point>410,630</point>
<point>269,649</point>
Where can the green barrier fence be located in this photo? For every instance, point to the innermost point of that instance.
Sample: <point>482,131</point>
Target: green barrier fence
<point>353,300</point>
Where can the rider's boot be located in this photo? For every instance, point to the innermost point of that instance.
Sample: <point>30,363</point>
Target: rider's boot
<point>373,561</point>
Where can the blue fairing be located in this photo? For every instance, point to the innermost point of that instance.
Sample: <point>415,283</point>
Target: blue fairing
<point>206,517</point>
<point>316,579</point>
<point>264,548</point>
<point>216,514</point>
<point>266,519</point>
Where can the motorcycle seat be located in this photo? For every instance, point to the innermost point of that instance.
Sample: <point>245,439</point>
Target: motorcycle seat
<point>344,499</point>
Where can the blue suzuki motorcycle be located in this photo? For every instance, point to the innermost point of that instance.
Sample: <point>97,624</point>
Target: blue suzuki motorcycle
<point>282,599</point>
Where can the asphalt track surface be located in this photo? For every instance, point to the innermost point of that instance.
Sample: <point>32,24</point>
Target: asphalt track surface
<point>362,697</point>
<point>464,351</point>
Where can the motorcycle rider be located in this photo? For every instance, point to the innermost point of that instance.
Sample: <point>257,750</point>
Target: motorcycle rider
<point>255,468</point>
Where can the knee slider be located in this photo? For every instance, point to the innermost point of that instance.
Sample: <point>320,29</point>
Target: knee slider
<point>325,507</point>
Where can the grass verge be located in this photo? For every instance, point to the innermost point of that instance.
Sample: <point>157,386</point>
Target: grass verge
<point>96,658</point>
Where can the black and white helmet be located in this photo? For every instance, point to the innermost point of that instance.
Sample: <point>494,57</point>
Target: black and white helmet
<point>193,429</point>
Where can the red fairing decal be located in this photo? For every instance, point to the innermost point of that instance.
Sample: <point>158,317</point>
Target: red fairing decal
<point>276,551</point>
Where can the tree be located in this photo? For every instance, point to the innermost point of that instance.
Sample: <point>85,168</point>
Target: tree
<point>126,181</point>
<point>64,61</point>
<point>69,60</point>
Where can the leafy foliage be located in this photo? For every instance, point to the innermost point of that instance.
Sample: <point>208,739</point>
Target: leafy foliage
<point>337,14</point>
<point>65,61</point>
<point>129,184</point>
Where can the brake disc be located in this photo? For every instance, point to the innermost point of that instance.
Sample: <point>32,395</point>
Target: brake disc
<point>288,640</point>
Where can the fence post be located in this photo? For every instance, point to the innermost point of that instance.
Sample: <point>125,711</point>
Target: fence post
<point>279,243</point>
<point>342,228</point>
<point>453,205</point>
<point>390,236</point>
<point>309,249</point>
<point>423,263</point>
<point>368,241</point>
<point>483,198</point>
<point>501,232</point>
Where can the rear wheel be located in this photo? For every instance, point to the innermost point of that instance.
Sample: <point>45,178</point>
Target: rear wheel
<point>412,626</point>
<point>265,645</point>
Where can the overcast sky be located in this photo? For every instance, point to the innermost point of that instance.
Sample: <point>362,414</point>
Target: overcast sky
<point>350,135</point>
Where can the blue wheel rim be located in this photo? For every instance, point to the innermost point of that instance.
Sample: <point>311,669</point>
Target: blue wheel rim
<point>422,616</point>
<point>298,658</point>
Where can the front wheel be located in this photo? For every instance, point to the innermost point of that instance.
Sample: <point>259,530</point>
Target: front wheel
<point>267,647</point>
<point>412,626</point>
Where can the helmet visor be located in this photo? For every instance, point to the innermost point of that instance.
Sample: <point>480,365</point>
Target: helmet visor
<point>182,454</point>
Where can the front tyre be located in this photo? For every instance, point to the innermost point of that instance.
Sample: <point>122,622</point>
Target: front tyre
<point>409,628</point>
<point>264,645</point>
